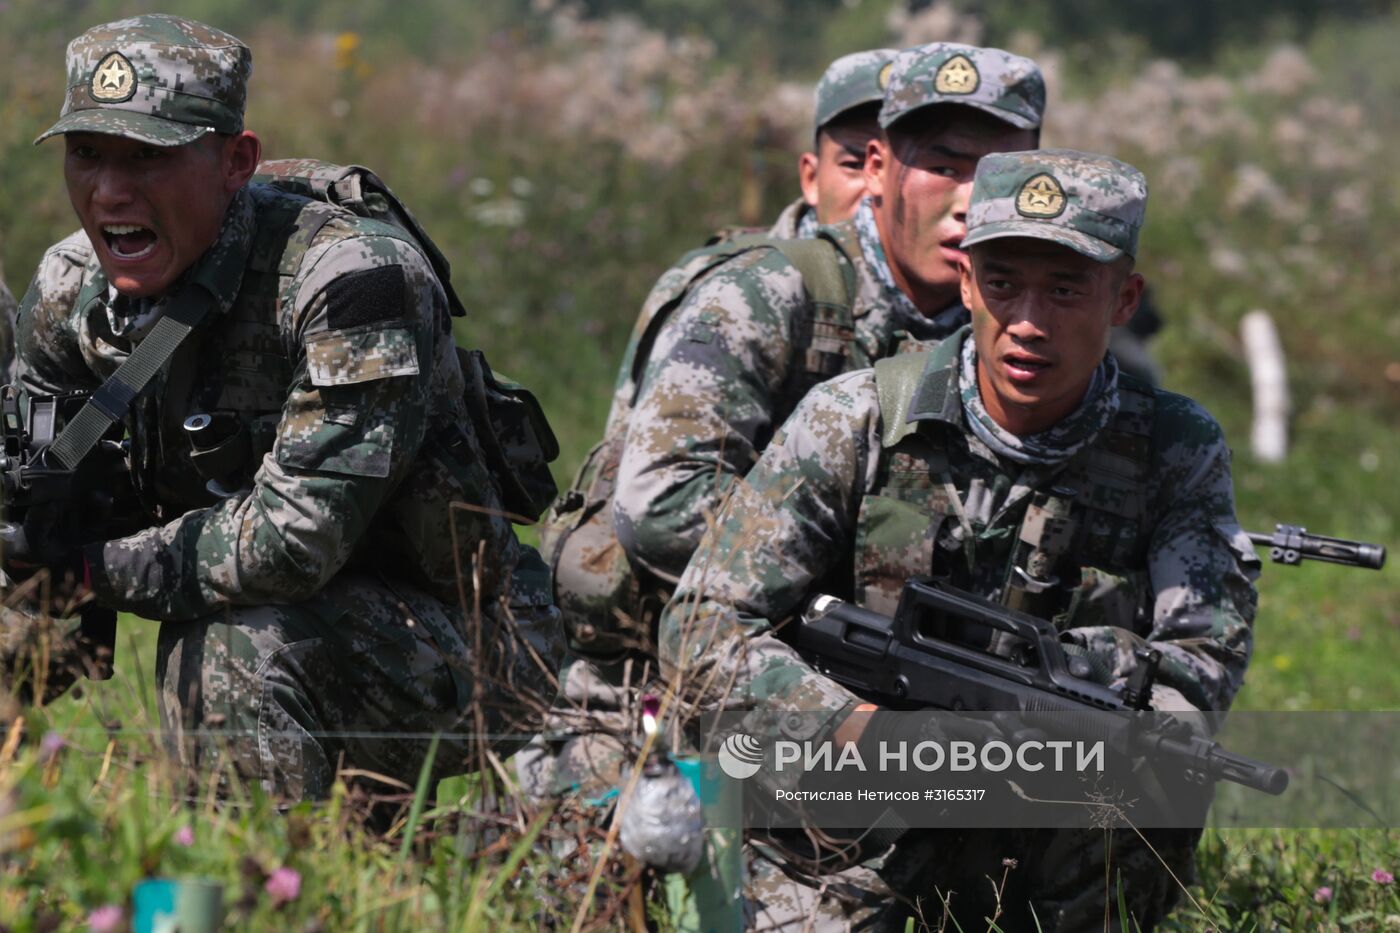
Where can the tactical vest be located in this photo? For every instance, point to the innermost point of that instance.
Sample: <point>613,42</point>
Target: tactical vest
<point>1088,524</point>
<point>609,606</point>
<point>478,445</point>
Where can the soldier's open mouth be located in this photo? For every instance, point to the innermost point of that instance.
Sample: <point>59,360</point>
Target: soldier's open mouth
<point>129,241</point>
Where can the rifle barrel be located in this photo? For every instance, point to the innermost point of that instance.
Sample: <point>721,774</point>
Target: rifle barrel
<point>1289,545</point>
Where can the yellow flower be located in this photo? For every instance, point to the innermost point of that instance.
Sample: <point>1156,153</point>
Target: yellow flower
<point>1282,662</point>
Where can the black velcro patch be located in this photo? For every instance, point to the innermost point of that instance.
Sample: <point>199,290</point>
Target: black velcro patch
<point>366,297</point>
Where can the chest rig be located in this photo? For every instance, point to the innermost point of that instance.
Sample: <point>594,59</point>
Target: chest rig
<point>234,368</point>
<point>1066,543</point>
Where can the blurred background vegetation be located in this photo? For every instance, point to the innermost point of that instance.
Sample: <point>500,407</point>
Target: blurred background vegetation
<point>563,154</point>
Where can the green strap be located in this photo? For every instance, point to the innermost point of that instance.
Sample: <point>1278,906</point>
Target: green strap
<point>112,400</point>
<point>823,274</point>
<point>897,380</point>
<point>829,279</point>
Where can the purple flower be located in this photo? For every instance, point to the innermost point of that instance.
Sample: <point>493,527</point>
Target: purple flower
<point>184,836</point>
<point>107,919</point>
<point>283,885</point>
<point>51,745</point>
<point>1323,895</point>
<point>1381,876</point>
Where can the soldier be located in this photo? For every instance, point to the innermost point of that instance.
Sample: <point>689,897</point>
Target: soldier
<point>704,384</point>
<point>304,575</point>
<point>927,464</point>
<point>846,117</point>
<point>746,343</point>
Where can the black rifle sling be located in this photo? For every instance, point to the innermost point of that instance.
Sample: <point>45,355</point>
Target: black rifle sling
<point>112,400</point>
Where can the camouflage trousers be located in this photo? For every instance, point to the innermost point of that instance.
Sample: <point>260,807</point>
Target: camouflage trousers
<point>361,676</point>
<point>1056,881</point>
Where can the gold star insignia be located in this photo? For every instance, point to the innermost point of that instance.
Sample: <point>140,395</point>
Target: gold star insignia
<point>113,80</point>
<point>957,76</point>
<point>883,78</point>
<point>1041,196</point>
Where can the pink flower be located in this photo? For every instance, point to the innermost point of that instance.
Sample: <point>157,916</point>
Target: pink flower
<point>184,836</point>
<point>1381,876</point>
<point>1323,895</point>
<point>107,919</point>
<point>283,885</point>
<point>50,746</point>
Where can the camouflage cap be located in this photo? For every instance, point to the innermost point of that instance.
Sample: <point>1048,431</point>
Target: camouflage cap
<point>1091,203</point>
<point>1007,86</point>
<point>156,78</point>
<point>852,80</point>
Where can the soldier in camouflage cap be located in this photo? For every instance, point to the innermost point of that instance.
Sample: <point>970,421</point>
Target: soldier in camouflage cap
<point>1009,87</point>
<point>159,79</point>
<point>723,350</point>
<point>848,99</point>
<point>300,564</point>
<point>1092,204</point>
<point>946,462</point>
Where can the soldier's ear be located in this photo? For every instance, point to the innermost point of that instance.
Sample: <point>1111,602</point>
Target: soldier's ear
<point>965,282</point>
<point>242,153</point>
<point>877,158</point>
<point>807,165</point>
<point>1128,298</point>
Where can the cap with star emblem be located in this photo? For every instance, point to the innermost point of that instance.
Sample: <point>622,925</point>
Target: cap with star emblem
<point>160,79</point>
<point>852,80</point>
<point>1091,203</point>
<point>1007,86</point>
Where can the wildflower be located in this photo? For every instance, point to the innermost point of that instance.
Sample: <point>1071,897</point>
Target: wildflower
<point>105,919</point>
<point>1008,863</point>
<point>283,885</point>
<point>1323,895</point>
<point>1381,876</point>
<point>51,745</point>
<point>184,836</point>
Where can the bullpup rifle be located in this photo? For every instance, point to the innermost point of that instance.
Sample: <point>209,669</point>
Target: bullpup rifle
<point>925,657</point>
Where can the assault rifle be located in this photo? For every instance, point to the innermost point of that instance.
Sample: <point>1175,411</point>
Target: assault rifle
<point>50,511</point>
<point>925,656</point>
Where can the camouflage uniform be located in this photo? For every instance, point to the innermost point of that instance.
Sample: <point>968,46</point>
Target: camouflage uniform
<point>729,365</point>
<point>312,616</point>
<point>869,483</point>
<point>720,378</point>
<point>587,565</point>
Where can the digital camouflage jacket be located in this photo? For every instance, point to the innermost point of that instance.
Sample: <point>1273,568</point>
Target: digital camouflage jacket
<point>844,503</point>
<point>332,348</point>
<point>723,375</point>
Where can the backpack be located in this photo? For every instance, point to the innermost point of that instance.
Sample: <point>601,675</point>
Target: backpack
<point>609,606</point>
<point>509,424</point>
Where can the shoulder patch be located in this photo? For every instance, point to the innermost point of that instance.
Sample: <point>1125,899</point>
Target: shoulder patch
<point>366,297</point>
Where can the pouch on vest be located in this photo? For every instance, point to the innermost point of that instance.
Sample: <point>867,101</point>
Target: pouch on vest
<point>514,434</point>
<point>608,605</point>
